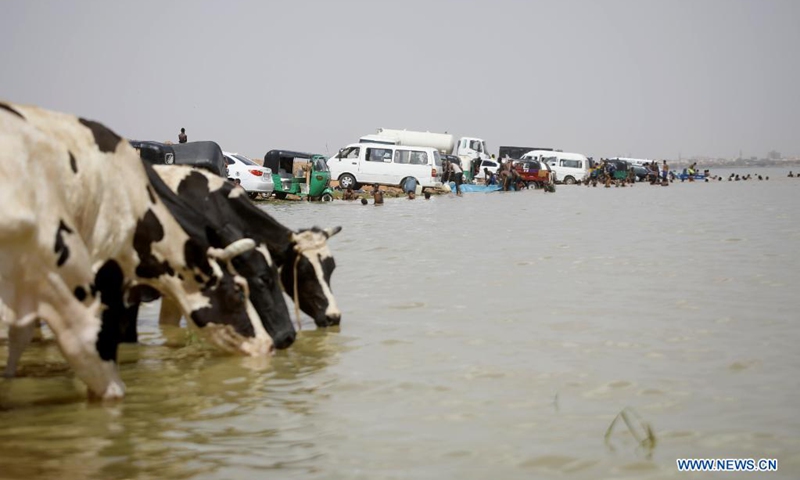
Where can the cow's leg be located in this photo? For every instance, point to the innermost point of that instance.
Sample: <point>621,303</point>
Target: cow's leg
<point>21,327</point>
<point>128,331</point>
<point>77,329</point>
<point>6,316</point>
<point>170,313</point>
<point>19,337</point>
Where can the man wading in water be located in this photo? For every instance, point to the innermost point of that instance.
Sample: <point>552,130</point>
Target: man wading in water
<point>377,194</point>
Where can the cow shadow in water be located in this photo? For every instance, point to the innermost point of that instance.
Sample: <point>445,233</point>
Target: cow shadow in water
<point>183,414</point>
<point>180,357</point>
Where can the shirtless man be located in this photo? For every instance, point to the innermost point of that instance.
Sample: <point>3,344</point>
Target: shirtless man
<point>377,195</point>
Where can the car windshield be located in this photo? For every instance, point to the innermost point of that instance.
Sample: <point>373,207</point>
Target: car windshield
<point>246,160</point>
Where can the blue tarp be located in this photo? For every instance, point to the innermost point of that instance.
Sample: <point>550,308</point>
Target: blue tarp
<point>685,176</point>
<point>468,188</point>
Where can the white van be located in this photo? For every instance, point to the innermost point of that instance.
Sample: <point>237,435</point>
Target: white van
<point>367,163</point>
<point>568,168</point>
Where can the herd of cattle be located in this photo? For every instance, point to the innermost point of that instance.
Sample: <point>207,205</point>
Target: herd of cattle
<point>88,231</point>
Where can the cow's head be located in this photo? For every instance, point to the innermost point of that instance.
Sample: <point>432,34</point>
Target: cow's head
<point>223,225</point>
<point>234,322</point>
<point>202,281</point>
<point>309,261</point>
<point>261,274</point>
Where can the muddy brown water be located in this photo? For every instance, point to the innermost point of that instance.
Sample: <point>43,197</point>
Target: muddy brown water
<point>488,336</point>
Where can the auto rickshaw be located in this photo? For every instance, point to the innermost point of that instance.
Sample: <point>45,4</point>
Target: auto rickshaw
<point>536,173</point>
<point>303,174</point>
<point>612,171</point>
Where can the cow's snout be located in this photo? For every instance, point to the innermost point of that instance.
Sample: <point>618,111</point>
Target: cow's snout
<point>333,319</point>
<point>284,339</point>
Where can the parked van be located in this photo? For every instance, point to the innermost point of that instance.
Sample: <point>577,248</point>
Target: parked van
<point>368,163</point>
<point>568,168</point>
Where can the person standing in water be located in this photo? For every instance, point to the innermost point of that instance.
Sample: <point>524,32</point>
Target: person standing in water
<point>377,195</point>
<point>456,176</point>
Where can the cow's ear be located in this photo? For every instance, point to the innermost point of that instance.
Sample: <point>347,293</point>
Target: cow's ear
<point>329,232</point>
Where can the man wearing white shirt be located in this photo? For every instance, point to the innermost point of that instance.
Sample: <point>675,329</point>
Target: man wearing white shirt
<point>457,176</point>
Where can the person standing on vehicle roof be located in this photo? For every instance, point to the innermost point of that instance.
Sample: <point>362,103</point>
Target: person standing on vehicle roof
<point>182,138</point>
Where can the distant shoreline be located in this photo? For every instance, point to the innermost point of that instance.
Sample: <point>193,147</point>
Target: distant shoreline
<point>735,163</point>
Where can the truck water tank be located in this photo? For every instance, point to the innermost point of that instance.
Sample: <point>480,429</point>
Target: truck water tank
<point>444,142</point>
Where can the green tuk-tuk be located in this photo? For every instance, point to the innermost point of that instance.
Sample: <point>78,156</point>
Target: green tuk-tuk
<point>303,174</point>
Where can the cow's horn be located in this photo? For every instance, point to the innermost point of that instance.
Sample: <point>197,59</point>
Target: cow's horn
<point>237,248</point>
<point>329,232</point>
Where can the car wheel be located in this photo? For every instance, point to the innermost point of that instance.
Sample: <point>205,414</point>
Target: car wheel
<point>569,181</point>
<point>326,197</point>
<point>347,181</point>
<point>280,195</point>
<point>252,195</point>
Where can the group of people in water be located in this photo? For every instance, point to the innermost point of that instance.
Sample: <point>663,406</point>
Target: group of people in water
<point>604,172</point>
<point>377,195</point>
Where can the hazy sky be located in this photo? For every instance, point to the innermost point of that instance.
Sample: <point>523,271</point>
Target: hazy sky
<point>642,78</point>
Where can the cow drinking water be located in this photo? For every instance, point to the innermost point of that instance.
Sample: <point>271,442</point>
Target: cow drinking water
<point>81,228</point>
<point>301,255</point>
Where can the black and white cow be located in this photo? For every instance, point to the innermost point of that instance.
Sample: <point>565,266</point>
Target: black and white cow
<point>81,228</point>
<point>303,254</point>
<point>255,266</point>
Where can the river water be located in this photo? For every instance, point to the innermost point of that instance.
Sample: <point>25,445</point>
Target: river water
<point>488,336</point>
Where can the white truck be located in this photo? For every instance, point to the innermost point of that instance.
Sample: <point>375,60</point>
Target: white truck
<point>466,148</point>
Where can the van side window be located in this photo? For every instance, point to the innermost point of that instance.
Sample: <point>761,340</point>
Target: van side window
<point>571,163</point>
<point>419,158</point>
<point>402,156</point>
<point>378,154</point>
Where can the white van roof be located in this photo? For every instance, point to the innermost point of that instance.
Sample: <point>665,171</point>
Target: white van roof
<point>377,139</point>
<point>397,147</point>
<point>550,153</point>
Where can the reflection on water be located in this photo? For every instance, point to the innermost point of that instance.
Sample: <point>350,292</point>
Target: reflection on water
<point>485,336</point>
<point>188,411</point>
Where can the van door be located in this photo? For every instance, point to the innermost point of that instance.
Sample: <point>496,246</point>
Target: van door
<point>422,164</point>
<point>376,165</point>
<point>346,161</point>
